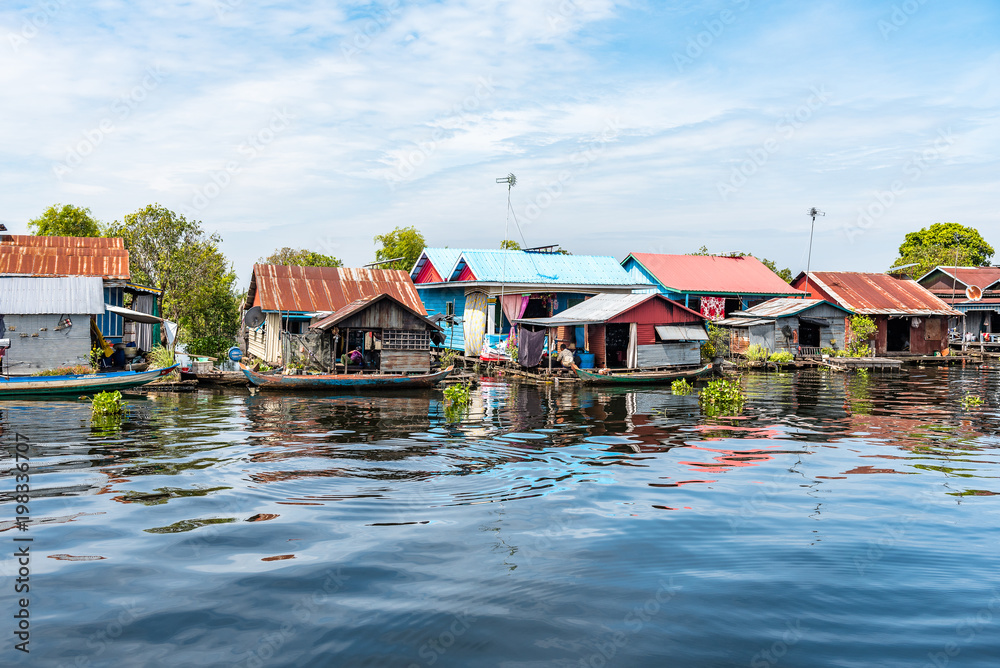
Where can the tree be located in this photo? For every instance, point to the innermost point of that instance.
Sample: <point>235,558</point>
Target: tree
<point>403,242</point>
<point>301,258</point>
<point>169,252</point>
<point>65,221</point>
<point>510,244</point>
<point>938,245</point>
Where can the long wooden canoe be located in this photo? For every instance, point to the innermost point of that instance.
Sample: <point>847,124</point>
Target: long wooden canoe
<point>76,385</point>
<point>638,377</point>
<point>343,381</point>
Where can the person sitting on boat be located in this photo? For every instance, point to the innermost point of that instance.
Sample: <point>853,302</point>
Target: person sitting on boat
<point>565,356</point>
<point>357,357</point>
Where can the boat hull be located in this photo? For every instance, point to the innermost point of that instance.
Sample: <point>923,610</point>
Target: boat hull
<point>41,386</point>
<point>639,377</point>
<point>341,382</point>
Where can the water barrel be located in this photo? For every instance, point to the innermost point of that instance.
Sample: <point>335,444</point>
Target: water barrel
<point>586,360</point>
<point>235,354</point>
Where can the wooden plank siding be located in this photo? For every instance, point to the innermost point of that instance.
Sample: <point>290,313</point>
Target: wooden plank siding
<point>405,361</point>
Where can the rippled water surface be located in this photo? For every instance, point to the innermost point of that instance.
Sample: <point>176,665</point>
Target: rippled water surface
<point>837,521</point>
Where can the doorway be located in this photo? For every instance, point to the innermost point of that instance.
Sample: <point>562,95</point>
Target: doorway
<point>616,344</point>
<point>809,335</point>
<point>897,338</point>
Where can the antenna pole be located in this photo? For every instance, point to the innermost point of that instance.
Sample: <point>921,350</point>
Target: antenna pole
<point>511,181</point>
<point>812,212</point>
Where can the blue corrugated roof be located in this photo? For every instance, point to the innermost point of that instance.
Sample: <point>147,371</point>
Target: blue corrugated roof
<point>497,266</point>
<point>443,260</point>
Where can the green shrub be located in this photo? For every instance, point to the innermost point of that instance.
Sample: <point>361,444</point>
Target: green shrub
<point>829,352</point>
<point>681,387</point>
<point>717,344</point>
<point>757,353</point>
<point>863,328</point>
<point>781,357</point>
<point>210,346</point>
<point>160,358</point>
<point>448,357</point>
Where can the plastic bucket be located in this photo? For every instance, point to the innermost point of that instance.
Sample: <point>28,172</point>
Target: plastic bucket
<point>586,360</point>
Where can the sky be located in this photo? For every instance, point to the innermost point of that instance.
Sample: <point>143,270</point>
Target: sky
<point>630,126</point>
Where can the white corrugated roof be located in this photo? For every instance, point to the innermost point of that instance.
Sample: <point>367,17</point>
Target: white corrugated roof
<point>67,295</point>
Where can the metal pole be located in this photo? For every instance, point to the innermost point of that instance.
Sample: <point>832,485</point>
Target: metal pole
<point>810,256</point>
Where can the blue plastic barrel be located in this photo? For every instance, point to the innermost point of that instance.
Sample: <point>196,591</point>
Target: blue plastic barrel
<point>586,360</point>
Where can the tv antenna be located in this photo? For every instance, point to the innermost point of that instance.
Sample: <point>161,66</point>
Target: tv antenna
<point>511,181</point>
<point>812,212</point>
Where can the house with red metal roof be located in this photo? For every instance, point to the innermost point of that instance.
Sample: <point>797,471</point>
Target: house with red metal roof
<point>908,317</point>
<point>54,279</point>
<point>292,298</point>
<point>974,291</point>
<point>713,285</point>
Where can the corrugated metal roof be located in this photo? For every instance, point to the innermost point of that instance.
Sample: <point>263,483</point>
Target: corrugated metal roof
<point>360,305</point>
<point>783,307</point>
<point>443,260</point>
<point>713,274</point>
<point>307,289</point>
<point>61,296</point>
<point>877,294</point>
<point>981,277</point>
<point>681,332</point>
<point>64,256</point>
<point>509,266</point>
<point>601,308</point>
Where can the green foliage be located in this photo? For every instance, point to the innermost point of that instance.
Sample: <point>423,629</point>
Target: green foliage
<point>210,346</point>
<point>456,402</point>
<point>830,352</point>
<point>863,329</point>
<point>75,370</point>
<point>169,252</point>
<point>300,258</point>
<point>937,245</point>
<point>65,221</point>
<point>402,242</point>
<point>107,404</point>
<point>160,358</point>
<point>717,344</point>
<point>264,368</point>
<point>96,355</point>
<point>448,357</point>
<point>757,353</point>
<point>971,401</point>
<point>510,244</point>
<point>722,396</point>
<point>512,350</point>
<point>681,387</point>
<point>781,357</point>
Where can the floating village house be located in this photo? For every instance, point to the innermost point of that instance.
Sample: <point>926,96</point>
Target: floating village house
<point>798,326</point>
<point>909,318</point>
<point>634,331</point>
<point>52,287</point>
<point>293,298</point>
<point>477,294</point>
<point>972,291</point>
<point>713,285</point>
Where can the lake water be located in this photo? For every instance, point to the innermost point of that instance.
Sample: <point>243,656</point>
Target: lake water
<point>837,521</point>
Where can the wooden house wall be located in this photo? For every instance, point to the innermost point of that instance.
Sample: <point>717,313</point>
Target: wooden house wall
<point>405,361</point>
<point>669,354</point>
<point>32,350</point>
<point>383,315</point>
<point>263,342</point>
<point>930,336</point>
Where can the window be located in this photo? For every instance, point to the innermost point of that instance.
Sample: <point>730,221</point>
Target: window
<point>402,339</point>
<point>449,308</point>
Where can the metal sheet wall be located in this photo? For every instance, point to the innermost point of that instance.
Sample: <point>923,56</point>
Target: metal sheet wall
<point>669,354</point>
<point>32,350</point>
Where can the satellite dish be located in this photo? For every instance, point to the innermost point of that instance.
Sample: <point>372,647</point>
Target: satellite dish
<point>254,317</point>
<point>974,293</point>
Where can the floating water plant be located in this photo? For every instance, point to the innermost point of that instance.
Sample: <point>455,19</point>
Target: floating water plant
<point>722,396</point>
<point>456,402</point>
<point>681,387</point>
<point>107,404</point>
<point>971,401</point>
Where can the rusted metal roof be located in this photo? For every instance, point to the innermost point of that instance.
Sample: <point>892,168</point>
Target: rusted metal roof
<point>876,294</point>
<point>276,287</point>
<point>712,274</point>
<point>981,277</point>
<point>23,255</point>
<point>360,305</point>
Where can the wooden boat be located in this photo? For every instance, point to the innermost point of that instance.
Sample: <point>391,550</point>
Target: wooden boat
<point>639,377</point>
<point>343,381</point>
<point>76,385</point>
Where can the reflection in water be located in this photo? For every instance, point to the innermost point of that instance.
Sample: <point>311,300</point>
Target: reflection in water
<point>549,514</point>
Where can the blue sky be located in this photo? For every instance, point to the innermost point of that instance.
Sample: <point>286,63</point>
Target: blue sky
<point>636,126</point>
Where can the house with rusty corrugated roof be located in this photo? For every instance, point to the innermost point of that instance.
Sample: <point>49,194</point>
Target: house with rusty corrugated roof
<point>908,317</point>
<point>784,324</point>
<point>973,291</point>
<point>713,285</point>
<point>48,284</point>
<point>292,298</point>
<point>478,293</point>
